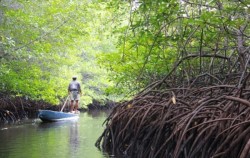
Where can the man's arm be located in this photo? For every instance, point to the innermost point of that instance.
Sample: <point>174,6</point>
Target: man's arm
<point>79,88</point>
<point>69,89</point>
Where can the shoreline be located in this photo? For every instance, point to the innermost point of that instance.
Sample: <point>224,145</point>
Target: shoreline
<point>17,109</point>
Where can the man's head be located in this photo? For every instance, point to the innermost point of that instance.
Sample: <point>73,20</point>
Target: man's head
<point>74,77</point>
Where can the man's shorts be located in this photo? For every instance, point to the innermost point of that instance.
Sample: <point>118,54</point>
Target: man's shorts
<point>74,95</point>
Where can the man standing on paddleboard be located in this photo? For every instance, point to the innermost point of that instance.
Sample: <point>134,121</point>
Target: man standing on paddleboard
<point>74,91</point>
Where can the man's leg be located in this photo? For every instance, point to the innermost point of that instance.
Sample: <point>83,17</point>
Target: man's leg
<point>77,102</point>
<point>76,106</point>
<point>71,105</point>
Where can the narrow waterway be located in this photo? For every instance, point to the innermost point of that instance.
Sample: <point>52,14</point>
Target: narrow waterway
<point>69,139</point>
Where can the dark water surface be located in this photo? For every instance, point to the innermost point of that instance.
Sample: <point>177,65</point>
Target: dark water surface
<point>69,139</point>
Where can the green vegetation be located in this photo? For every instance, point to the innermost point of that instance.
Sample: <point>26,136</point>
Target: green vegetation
<point>116,47</point>
<point>197,36</point>
<point>44,43</point>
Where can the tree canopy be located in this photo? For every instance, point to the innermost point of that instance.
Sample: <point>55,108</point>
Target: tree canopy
<point>117,47</point>
<point>197,36</point>
<point>44,43</point>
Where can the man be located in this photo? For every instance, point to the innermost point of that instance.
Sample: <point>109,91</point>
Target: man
<point>74,91</point>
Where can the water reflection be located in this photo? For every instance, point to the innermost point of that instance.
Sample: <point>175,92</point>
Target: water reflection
<point>48,125</point>
<point>98,113</point>
<point>74,140</point>
<point>66,139</point>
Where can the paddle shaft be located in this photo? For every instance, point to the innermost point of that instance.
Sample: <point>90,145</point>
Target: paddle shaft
<point>64,103</point>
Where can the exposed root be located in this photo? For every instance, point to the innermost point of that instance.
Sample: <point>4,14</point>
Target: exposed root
<point>192,121</point>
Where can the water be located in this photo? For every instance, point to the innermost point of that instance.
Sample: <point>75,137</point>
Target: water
<point>68,139</point>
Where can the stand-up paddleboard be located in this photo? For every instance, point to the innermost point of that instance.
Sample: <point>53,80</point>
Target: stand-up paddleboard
<point>52,116</point>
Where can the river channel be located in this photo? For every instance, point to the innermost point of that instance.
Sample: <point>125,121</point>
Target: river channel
<point>69,139</point>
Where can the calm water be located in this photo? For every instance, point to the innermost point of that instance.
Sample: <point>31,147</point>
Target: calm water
<point>71,139</point>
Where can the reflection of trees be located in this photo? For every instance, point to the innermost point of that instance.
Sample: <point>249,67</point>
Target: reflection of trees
<point>74,140</point>
<point>98,113</point>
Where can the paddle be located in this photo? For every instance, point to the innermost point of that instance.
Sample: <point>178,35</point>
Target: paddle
<point>64,103</point>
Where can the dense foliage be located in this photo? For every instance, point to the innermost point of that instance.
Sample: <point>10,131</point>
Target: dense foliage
<point>197,36</point>
<point>44,43</point>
